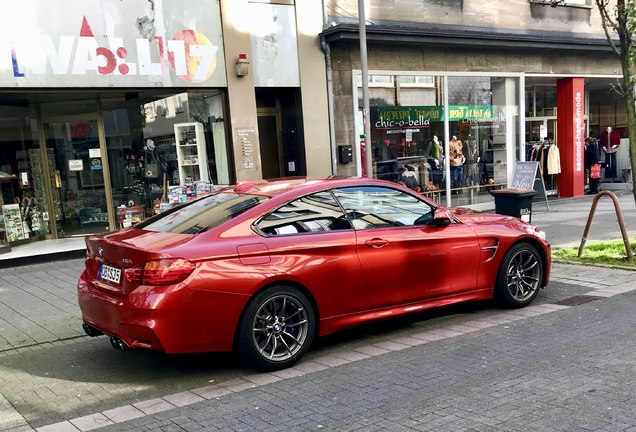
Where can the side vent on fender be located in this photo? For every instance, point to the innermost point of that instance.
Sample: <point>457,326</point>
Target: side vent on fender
<point>489,249</point>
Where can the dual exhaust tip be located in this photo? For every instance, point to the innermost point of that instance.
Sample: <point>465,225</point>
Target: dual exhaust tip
<point>117,343</point>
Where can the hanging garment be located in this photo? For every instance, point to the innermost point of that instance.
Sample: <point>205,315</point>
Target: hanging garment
<point>554,160</point>
<point>471,172</point>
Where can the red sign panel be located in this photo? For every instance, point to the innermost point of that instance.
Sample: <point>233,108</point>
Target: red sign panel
<point>571,135</point>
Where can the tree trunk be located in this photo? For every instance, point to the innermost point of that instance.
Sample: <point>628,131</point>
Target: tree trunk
<point>630,100</point>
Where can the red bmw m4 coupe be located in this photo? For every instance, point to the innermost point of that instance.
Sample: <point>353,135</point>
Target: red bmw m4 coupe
<point>265,267</point>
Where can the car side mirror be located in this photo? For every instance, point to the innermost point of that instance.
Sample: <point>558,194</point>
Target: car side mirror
<point>441,219</point>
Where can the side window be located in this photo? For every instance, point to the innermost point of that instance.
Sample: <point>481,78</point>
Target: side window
<point>312,213</point>
<point>380,207</point>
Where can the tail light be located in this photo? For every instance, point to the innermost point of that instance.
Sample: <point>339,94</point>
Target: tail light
<point>160,272</point>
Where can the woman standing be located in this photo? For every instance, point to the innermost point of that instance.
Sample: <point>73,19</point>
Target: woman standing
<point>592,159</point>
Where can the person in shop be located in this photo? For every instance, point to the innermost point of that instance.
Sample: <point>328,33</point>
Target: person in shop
<point>386,161</point>
<point>592,163</point>
<point>457,160</point>
<point>610,140</point>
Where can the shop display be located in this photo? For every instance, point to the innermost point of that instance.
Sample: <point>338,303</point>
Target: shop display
<point>191,152</point>
<point>14,229</point>
<point>129,216</point>
<point>36,209</point>
<point>184,193</point>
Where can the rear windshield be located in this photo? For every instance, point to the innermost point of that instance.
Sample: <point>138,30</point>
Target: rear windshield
<point>203,214</point>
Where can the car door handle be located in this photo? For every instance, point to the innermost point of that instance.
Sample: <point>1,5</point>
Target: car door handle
<point>376,243</point>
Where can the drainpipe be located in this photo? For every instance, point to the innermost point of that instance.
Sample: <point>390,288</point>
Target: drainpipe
<point>326,49</point>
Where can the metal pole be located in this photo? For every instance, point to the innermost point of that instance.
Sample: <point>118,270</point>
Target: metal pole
<point>446,142</point>
<point>368,145</point>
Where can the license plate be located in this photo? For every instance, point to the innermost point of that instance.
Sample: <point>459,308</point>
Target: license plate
<point>112,274</point>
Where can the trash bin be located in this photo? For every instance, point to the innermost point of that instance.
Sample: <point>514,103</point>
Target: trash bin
<point>514,202</point>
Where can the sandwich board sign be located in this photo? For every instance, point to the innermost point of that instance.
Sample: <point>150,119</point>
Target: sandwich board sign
<point>527,175</point>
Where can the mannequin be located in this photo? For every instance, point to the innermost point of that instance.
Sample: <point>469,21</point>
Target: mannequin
<point>457,160</point>
<point>435,162</point>
<point>437,148</point>
<point>610,140</point>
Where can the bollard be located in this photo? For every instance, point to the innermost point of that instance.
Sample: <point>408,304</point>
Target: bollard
<point>619,216</point>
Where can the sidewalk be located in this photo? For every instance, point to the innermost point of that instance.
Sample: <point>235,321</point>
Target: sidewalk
<point>56,379</point>
<point>565,222</point>
<point>38,301</point>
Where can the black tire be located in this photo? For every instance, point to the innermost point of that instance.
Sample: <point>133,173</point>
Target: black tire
<point>276,329</point>
<point>520,275</point>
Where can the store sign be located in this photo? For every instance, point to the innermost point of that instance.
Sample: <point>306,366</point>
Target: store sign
<point>477,113</point>
<point>81,43</point>
<point>75,165</point>
<point>571,135</point>
<point>405,117</point>
<point>409,117</point>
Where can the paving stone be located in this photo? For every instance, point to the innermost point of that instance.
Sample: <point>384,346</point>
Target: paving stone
<point>90,422</point>
<point>153,406</point>
<point>183,398</point>
<point>64,426</point>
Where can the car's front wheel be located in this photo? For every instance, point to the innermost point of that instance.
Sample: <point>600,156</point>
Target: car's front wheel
<point>519,277</point>
<point>276,329</point>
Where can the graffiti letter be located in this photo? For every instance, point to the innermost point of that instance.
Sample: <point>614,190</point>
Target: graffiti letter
<point>58,59</point>
<point>16,68</point>
<point>85,56</point>
<point>177,57</point>
<point>207,62</point>
<point>146,66</point>
<point>111,62</point>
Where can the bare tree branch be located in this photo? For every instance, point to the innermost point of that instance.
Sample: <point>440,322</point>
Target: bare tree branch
<point>608,23</point>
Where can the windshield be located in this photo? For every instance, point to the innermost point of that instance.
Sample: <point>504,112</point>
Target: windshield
<point>203,214</point>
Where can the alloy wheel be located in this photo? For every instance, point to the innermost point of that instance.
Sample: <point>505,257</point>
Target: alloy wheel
<point>523,275</point>
<point>280,328</point>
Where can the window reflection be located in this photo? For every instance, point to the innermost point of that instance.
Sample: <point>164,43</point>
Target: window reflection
<point>313,213</point>
<point>159,141</point>
<point>378,207</point>
<point>408,137</point>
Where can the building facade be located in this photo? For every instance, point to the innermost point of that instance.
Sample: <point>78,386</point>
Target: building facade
<point>498,82</point>
<point>109,109</point>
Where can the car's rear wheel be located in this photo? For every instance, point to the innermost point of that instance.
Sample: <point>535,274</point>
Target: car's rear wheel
<point>276,329</point>
<point>519,277</point>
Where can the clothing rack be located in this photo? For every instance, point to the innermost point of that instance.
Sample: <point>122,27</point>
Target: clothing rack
<point>538,151</point>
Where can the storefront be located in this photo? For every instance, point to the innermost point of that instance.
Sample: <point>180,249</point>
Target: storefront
<point>495,94</point>
<point>105,122</point>
<point>474,117</point>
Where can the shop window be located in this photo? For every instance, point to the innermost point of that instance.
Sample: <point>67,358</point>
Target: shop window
<point>484,124</point>
<point>164,149</point>
<point>545,98</point>
<point>408,134</point>
<point>24,210</point>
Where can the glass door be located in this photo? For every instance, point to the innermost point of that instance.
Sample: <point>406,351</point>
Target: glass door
<point>78,187</point>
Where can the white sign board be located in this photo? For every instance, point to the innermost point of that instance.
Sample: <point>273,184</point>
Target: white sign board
<point>76,165</point>
<point>112,43</point>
